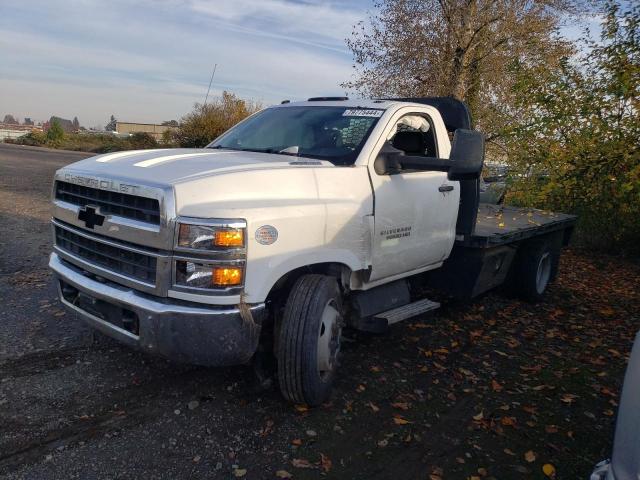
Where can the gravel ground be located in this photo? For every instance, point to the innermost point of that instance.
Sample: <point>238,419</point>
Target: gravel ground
<point>494,389</point>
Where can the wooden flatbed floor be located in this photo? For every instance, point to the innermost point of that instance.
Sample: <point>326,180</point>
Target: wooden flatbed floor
<point>499,225</point>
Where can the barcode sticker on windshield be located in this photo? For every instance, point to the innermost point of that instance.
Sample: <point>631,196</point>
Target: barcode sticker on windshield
<point>362,112</point>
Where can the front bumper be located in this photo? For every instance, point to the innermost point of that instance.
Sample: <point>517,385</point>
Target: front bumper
<point>179,330</point>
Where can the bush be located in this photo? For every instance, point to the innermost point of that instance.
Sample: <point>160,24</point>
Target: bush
<point>34,138</point>
<point>55,134</point>
<point>207,122</point>
<point>141,141</point>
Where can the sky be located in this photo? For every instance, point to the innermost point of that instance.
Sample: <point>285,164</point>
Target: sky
<point>151,60</point>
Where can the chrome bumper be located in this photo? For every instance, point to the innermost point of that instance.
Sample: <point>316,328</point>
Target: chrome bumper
<point>182,331</point>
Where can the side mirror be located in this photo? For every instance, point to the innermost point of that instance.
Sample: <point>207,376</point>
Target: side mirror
<point>464,163</point>
<point>388,160</point>
<point>467,155</point>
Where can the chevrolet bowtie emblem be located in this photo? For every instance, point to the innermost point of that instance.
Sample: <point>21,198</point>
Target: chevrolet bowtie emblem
<point>90,216</point>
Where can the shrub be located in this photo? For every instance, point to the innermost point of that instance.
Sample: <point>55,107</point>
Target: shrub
<point>207,122</point>
<point>141,141</point>
<point>34,138</point>
<point>55,134</point>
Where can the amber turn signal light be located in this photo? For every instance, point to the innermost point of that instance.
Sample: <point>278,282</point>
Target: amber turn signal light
<point>227,276</point>
<point>229,237</point>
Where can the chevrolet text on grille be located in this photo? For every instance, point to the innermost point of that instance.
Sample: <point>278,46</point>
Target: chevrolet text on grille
<point>101,184</point>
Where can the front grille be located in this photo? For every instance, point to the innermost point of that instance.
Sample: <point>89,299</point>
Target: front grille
<point>110,203</point>
<point>136,265</point>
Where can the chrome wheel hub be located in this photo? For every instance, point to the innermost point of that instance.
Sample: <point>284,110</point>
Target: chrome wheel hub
<point>543,273</point>
<point>329,339</point>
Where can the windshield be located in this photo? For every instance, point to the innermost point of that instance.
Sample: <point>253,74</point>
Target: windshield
<point>335,134</point>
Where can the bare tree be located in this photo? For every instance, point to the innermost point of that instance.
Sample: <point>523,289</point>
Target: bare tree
<point>461,48</point>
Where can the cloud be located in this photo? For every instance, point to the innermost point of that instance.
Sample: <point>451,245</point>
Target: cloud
<point>296,21</point>
<point>151,60</point>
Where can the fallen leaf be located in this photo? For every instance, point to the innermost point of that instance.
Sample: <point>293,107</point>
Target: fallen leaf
<point>496,386</point>
<point>239,472</point>
<point>530,456</point>
<point>400,405</point>
<point>509,452</point>
<point>398,420</point>
<point>361,388</point>
<point>325,463</point>
<point>283,474</point>
<point>551,429</point>
<point>549,470</point>
<point>479,416</point>
<point>301,463</point>
<point>568,398</point>
<point>508,421</point>
<point>296,441</point>
<point>373,407</point>
<point>301,408</point>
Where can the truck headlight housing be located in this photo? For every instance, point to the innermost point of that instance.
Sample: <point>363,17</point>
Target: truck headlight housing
<point>208,276</point>
<point>205,237</point>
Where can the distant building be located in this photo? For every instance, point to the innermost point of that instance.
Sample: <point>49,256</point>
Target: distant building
<point>153,129</point>
<point>10,130</point>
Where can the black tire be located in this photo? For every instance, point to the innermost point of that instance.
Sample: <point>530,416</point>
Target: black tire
<point>536,268</point>
<point>299,376</point>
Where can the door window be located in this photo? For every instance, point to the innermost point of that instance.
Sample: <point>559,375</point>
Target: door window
<point>414,135</point>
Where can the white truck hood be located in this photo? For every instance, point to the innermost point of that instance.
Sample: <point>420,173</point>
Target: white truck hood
<point>173,166</point>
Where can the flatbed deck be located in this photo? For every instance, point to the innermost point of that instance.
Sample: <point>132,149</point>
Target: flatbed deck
<point>500,225</point>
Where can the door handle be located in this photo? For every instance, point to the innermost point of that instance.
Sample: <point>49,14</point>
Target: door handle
<point>445,188</point>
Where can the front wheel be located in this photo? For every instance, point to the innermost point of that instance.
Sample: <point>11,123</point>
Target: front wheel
<point>309,340</point>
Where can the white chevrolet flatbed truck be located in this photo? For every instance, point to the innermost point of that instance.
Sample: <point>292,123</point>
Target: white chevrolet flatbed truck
<point>302,219</point>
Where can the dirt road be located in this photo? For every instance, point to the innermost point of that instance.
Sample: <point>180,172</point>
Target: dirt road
<point>495,389</point>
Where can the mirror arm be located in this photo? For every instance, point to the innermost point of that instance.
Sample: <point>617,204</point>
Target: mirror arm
<point>426,164</point>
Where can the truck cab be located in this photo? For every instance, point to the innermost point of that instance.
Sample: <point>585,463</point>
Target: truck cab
<point>257,243</point>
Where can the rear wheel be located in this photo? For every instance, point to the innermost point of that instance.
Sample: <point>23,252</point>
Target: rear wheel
<point>536,269</point>
<point>309,340</point>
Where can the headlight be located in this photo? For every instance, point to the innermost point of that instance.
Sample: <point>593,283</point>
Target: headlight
<point>202,275</point>
<point>204,237</point>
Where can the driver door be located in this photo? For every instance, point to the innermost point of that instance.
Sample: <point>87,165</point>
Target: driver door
<point>415,212</point>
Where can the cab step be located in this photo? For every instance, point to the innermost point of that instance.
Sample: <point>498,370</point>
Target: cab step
<point>407,311</point>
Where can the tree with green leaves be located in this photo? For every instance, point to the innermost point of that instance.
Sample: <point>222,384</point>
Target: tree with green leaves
<point>55,134</point>
<point>576,145</point>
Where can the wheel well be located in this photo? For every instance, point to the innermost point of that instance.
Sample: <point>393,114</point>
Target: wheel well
<point>283,285</point>
<point>277,297</point>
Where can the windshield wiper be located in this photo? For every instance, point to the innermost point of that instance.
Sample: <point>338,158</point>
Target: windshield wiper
<point>257,150</point>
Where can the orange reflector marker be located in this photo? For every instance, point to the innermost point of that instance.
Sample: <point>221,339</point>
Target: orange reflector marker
<point>229,237</point>
<point>227,276</point>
